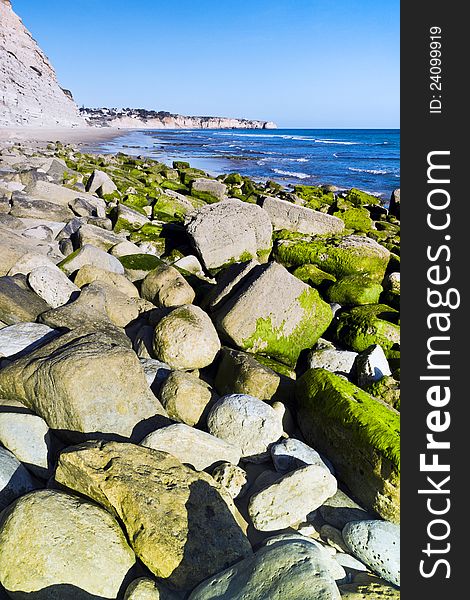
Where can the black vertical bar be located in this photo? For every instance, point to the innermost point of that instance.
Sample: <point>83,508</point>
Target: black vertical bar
<point>422,132</point>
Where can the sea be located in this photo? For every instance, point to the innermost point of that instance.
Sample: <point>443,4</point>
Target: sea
<point>368,159</point>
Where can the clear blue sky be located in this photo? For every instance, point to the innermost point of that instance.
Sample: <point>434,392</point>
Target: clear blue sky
<point>301,63</point>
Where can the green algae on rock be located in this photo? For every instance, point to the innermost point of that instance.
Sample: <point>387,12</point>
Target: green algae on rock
<point>357,219</point>
<point>358,433</point>
<point>354,290</point>
<point>337,255</point>
<point>261,320</point>
<point>362,326</point>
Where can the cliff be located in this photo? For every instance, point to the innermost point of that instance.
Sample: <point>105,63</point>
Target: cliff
<point>127,118</point>
<point>29,92</point>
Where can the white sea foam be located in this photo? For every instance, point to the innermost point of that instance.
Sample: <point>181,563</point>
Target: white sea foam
<point>338,142</point>
<point>292,174</point>
<point>371,171</point>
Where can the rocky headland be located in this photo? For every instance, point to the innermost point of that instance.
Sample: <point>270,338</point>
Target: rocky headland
<point>133,118</point>
<point>199,383</point>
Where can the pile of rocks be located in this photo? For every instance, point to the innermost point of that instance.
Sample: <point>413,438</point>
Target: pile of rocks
<point>199,384</point>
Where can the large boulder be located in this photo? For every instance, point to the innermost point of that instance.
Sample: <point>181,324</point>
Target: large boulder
<point>246,422</point>
<point>55,546</point>
<point>230,231</point>
<point>358,433</point>
<point>291,570</point>
<point>166,287</point>
<point>186,338</point>
<point>18,303</point>
<point>363,326</point>
<point>180,523</point>
<point>291,498</point>
<point>191,446</point>
<point>83,384</point>
<point>101,183</point>
<point>90,255</point>
<point>339,256</point>
<point>292,217</point>
<point>209,190</point>
<point>241,373</point>
<point>260,319</point>
<point>377,544</point>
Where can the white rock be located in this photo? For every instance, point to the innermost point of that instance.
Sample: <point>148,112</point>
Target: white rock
<point>286,215</point>
<point>371,365</point>
<point>247,422</point>
<point>155,372</point>
<point>349,562</point>
<point>27,436</point>
<point>31,94</point>
<point>15,479</point>
<point>90,255</point>
<point>290,569</point>
<point>52,285</point>
<point>192,446</point>
<point>230,231</point>
<point>291,498</point>
<point>100,182</point>
<point>24,336</point>
<point>291,454</point>
<point>232,478</point>
<point>376,544</point>
<point>337,361</point>
<point>30,262</point>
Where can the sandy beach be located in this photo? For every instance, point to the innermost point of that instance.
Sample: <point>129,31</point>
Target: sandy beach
<point>66,135</point>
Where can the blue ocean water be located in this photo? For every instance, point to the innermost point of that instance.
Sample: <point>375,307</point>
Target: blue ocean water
<point>368,159</point>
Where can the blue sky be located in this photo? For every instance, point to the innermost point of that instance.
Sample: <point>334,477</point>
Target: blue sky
<point>301,63</point>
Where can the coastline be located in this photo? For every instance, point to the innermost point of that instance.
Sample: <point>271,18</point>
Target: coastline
<point>66,135</point>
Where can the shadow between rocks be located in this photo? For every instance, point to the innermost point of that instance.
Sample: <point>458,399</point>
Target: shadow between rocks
<point>214,541</point>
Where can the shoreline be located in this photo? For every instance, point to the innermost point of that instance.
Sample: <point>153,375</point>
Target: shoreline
<point>78,136</point>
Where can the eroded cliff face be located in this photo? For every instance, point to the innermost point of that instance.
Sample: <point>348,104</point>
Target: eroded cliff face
<point>143,119</point>
<point>30,95</point>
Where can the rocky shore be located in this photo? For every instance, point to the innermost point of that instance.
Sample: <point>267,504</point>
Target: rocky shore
<point>199,384</point>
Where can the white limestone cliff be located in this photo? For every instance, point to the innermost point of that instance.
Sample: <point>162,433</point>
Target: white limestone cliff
<point>30,95</point>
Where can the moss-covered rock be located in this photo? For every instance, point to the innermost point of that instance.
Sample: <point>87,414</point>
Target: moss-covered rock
<point>340,256</point>
<point>136,266</point>
<point>314,196</point>
<point>233,178</point>
<point>357,219</point>
<point>359,198</point>
<point>358,433</point>
<point>354,290</point>
<point>363,326</point>
<point>176,186</point>
<point>312,275</point>
<point>388,389</point>
<point>263,320</point>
